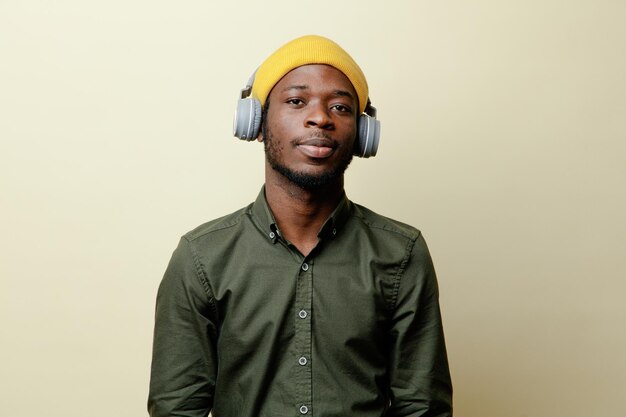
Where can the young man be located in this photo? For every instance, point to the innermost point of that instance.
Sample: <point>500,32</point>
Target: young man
<point>302,303</point>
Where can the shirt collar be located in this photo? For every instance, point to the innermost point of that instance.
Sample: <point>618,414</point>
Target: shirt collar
<point>265,219</point>
<point>337,219</point>
<point>263,216</point>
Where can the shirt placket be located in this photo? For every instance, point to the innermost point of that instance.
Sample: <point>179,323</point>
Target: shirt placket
<point>304,292</point>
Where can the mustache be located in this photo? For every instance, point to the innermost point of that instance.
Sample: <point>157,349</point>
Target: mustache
<point>317,139</point>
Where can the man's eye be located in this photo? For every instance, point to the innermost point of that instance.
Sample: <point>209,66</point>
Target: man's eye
<point>342,108</point>
<point>295,101</point>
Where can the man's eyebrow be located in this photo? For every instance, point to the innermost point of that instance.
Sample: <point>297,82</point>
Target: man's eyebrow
<point>296,87</point>
<point>343,93</point>
<point>336,93</point>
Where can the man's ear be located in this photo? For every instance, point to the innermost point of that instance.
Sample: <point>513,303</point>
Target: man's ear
<point>266,109</point>
<point>260,136</point>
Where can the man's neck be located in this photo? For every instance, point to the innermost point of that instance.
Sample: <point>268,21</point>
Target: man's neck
<point>301,213</point>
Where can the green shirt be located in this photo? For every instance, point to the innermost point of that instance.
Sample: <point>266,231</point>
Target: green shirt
<point>246,326</point>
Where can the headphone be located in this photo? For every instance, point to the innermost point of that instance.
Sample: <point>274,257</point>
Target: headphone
<point>248,116</point>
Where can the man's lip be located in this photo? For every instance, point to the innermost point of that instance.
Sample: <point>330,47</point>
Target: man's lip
<point>322,142</point>
<point>317,147</point>
<point>313,151</point>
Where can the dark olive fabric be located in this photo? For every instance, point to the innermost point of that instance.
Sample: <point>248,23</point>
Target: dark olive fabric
<point>248,327</point>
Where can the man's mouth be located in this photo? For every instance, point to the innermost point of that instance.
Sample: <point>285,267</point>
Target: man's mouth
<point>316,147</point>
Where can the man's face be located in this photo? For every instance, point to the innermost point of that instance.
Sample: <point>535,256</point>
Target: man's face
<point>310,126</point>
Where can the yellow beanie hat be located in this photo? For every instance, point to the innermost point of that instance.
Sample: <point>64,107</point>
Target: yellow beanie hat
<point>310,49</point>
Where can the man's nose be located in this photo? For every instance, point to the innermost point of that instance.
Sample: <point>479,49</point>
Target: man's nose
<point>319,116</point>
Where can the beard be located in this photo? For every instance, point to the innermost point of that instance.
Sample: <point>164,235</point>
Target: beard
<point>306,181</point>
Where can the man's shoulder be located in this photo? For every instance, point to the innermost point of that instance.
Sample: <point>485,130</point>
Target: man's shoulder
<point>377,221</point>
<point>220,224</point>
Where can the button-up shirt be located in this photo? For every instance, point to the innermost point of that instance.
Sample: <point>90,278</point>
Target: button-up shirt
<point>246,326</point>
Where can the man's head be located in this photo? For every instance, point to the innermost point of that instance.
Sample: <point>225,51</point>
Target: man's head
<point>307,80</point>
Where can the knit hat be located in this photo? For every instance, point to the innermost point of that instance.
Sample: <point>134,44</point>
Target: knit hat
<point>311,49</point>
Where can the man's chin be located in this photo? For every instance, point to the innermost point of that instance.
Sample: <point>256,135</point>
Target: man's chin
<point>310,181</point>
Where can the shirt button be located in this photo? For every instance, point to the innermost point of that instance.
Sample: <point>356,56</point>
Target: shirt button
<point>272,235</point>
<point>302,361</point>
<point>305,266</point>
<point>304,409</point>
<point>302,314</point>
<point>334,231</point>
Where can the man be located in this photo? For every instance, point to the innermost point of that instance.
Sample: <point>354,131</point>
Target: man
<point>302,303</point>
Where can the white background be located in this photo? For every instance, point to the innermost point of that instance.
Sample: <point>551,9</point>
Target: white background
<point>503,140</point>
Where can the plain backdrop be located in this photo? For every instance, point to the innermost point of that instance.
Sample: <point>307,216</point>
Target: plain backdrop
<point>503,140</point>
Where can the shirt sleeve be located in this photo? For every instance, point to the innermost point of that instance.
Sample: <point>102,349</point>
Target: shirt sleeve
<point>184,359</point>
<point>420,384</point>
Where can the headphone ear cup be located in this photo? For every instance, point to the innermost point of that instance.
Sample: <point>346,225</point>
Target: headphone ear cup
<point>369,136</point>
<point>247,121</point>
